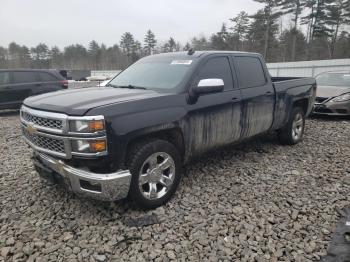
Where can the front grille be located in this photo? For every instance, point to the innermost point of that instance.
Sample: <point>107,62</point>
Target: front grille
<point>46,143</point>
<point>48,132</point>
<point>323,110</point>
<point>42,121</point>
<point>321,99</point>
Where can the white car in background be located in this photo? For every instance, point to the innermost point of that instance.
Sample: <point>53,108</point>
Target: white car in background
<point>104,83</point>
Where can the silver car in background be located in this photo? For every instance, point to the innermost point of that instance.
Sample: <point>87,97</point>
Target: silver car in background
<point>333,93</point>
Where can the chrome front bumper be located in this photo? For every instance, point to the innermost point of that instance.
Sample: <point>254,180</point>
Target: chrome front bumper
<point>106,187</point>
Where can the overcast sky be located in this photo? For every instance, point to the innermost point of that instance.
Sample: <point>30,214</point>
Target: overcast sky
<point>64,22</point>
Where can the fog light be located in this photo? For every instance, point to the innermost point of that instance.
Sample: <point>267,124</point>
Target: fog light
<point>98,146</point>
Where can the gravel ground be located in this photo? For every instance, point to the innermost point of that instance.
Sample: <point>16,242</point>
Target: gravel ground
<point>258,201</point>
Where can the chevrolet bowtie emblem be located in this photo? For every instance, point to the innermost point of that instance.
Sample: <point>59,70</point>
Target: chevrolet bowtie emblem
<point>31,129</point>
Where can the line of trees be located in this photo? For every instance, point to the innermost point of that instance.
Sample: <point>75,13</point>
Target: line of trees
<point>315,29</point>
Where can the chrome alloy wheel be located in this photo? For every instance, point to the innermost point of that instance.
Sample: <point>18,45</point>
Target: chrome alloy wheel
<point>297,127</point>
<point>156,175</point>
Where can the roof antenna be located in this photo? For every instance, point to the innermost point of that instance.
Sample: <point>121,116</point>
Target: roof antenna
<point>190,51</point>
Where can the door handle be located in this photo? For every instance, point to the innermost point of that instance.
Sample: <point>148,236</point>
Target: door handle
<point>268,92</point>
<point>234,98</point>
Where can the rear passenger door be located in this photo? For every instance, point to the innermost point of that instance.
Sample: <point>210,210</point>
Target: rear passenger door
<point>4,87</point>
<point>48,83</point>
<point>214,119</point>
<point>23,83</point>
<point>258,95</point>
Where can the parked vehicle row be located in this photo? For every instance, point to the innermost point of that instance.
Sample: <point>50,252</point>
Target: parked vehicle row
<point>17,85</point>
<point>333,93</point>
<point>132,137</point>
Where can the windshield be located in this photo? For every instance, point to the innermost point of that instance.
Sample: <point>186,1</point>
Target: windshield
<point>153,73</point>
<point>334,79</point>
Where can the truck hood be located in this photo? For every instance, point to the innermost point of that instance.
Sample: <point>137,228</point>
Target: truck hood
<point>331,91</point>
<point>79,101</point>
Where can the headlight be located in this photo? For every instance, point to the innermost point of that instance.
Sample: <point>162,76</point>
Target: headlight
<point>87,126</point>
<point>341,98</point>
<point>89,146</point>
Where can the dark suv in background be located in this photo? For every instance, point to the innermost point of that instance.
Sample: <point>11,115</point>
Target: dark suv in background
<point>17,85</point>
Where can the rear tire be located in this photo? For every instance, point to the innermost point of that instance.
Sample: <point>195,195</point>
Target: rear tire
<point>156,169</point>
<point>293,132</point>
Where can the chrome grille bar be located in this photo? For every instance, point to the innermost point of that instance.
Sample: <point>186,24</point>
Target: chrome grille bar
<point>45,121</point>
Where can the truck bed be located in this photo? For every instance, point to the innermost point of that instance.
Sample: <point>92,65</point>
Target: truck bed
<point>288,90</point>
<point>284,83</point>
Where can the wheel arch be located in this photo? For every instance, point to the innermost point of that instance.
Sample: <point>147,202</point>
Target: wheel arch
<point>303,103</point>
<point>172,135</point>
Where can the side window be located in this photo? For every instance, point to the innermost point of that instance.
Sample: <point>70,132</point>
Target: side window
<point>46,77</point>
<point>217,67</point>
<point>250,72</point>
<point>4,78</point>
<point>24,77</point>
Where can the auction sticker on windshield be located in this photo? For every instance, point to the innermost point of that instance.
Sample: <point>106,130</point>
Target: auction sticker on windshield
<point>181,62</point>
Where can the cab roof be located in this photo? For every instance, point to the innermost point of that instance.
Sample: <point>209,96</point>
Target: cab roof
<point>197,54</point>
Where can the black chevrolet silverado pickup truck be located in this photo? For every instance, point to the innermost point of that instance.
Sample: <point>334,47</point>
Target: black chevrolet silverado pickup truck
<point>133,137</point>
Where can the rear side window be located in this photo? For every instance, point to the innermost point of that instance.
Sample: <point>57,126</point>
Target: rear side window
<point>46,77</point>
<point>24,77</point>
<point>250,72</point>
<point>217,67</point>
<point>4,78</point>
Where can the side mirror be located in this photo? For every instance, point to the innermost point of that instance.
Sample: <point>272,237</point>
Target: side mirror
<point>207,86</point>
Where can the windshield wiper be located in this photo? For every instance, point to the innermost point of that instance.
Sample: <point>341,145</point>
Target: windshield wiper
<point>127,86</point>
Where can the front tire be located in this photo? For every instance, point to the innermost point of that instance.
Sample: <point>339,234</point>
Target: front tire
<point>293,132</point>
<point>156,169</point>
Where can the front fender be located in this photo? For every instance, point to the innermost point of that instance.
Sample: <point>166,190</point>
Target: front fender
<point>125,129</point>
<point>148,121</point>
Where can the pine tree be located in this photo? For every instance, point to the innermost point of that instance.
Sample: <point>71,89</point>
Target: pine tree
<point>77,57</point>
<point>240,28</point>
<point>40,55</point>
<point>56,57</point>
<point>200,43</point>
<point>136,51</point>
<point>127,43</point>
<point>25,59</point>
<point>3,57</point>
<point>337,16</point>
<point>342,49</point>
<point>186,47</point>
<point>219,40</point>
<point>295,8</point>
<point>292,39</point>
<point>172,45</point>
<point>270,16</point>
<point>94,54</point>
<point>150,42</point>
<point>316,19</point>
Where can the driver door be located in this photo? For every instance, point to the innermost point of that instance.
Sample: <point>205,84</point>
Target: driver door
<point>215,118</point>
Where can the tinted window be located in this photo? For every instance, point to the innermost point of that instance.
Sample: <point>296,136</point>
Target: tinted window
<point>250,72</point>
<point>46,77</point>
<point>154,72</point>
<point>24,77</point>
<point>4,78</point>
<point>218,67</point>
